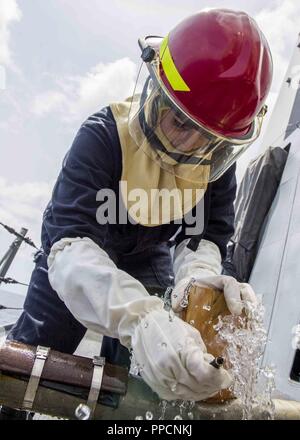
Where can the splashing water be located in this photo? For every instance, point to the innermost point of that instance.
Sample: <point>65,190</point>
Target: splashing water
<point>190,415</point>
<point>149,415</point>
<point>174,387</point>
<point>82,412</point>
<point>185,409</point>
<point>163,404</point>
<point>206,307</point>
<point>246,338</point>
<point>171,315</point>
<point>135,368</point>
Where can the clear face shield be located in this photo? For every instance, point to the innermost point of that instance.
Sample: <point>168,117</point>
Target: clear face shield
<point>179,144</point>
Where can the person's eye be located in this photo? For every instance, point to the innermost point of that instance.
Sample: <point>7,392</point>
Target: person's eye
<point>179,124</point>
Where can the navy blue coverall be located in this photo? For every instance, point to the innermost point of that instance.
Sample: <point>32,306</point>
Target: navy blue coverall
<point>94,162</point>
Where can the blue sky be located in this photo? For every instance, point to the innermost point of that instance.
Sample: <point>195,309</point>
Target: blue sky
<point>63,60</point>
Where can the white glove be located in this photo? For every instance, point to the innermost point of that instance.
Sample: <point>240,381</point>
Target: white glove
<point>173,359</point>
<point>99,295</point>
<point>103,298</point>
<point>204,266</point>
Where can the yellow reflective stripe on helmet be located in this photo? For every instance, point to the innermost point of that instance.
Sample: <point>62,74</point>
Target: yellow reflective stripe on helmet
<point>175,79</point>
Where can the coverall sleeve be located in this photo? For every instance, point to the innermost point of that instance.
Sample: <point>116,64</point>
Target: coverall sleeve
<point>220,223</point>
<point>88,167</point>
<point>218,214</point>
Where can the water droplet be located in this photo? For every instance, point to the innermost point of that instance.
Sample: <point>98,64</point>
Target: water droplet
<point>245,339</point>
<point>146,324</point>
<point>134,370</point>
<point>135,367</point>
<point>82,412</point>
<point>139,418</point>
<point>171,315</point>
<point>163,404</point>
<point>163,345</point>
<point>206,307</point>
<point>214,416</point>
<point>190,416</point>
<point>192,322</point>
<point>178,417</point>
<point>149,415</point>
<point>173,387</point>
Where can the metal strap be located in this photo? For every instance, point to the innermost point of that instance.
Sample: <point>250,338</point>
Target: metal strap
<point>37,369</point>
<point>99,363</point>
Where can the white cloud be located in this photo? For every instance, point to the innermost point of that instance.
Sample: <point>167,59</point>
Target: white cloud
<point>280,24</point>
<point>77,97</point>
<point>48,102</point>
<point>80,96</point>
<point>9,12</point>
<point>22,205</point>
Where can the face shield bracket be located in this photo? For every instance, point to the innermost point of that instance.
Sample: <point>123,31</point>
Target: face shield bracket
<point>148,54</point>
<point>148,51</point>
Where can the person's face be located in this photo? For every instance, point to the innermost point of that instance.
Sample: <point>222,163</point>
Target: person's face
<point>182,135</point>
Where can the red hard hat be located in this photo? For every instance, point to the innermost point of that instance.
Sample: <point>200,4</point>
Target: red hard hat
<point>217,66</point>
